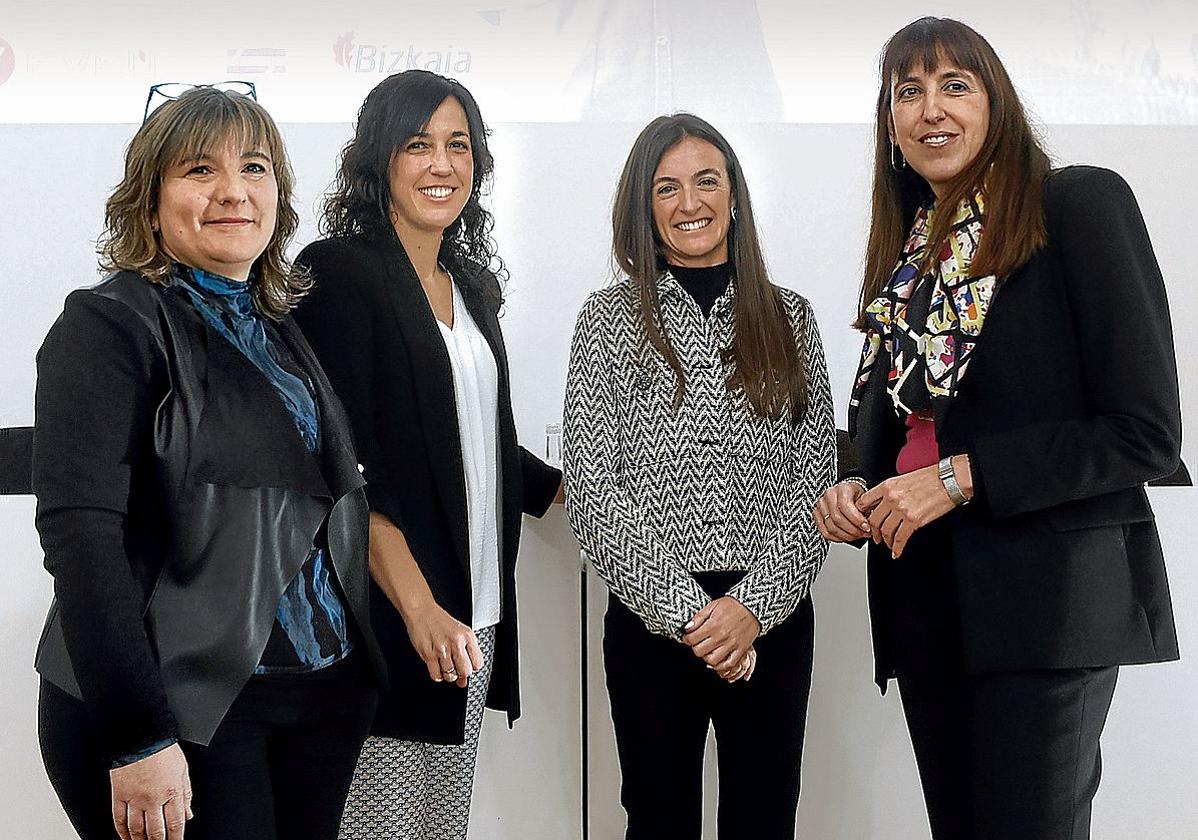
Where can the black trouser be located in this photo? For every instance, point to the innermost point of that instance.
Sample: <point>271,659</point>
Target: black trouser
<point>1010,756</point>
<point>664,698</point>
<point>279,765</point>
<point>1002,756</point>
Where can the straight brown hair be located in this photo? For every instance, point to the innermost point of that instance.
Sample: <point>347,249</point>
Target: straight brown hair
<point>767,364</point>
<point>1009,170</point>
<point>182,129</point>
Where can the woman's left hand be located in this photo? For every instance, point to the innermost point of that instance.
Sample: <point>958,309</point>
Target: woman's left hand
<point>900,506</point>
<point>722,632</point>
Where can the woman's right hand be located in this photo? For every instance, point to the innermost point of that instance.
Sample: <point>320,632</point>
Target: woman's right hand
<point>151,798</point>
<point>448,647</point>
<point>836,514</point>
<point>741,670</point>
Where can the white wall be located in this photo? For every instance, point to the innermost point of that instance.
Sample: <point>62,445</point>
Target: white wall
<point>552,201</point>
<point>552,198</point>
<point>810,192</point>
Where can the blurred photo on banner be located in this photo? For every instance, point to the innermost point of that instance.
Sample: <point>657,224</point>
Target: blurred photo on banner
<point>751,61</point>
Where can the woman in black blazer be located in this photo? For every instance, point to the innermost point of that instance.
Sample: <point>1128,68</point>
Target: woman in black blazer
<point>200,509</point>
<point>404,317</point>
<point>1017,389</point>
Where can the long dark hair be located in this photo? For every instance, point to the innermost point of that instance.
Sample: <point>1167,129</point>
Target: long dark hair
<point>767,365</point>
<point>182,129</point>
<point>1009,169</point>
<point>359,202</point>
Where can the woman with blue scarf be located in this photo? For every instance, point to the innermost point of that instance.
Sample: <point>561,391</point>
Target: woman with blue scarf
<point>207,662</point>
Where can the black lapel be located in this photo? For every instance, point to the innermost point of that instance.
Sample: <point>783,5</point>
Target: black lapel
<point>432,380</point>
<point>873,424</point>
<point>943,406</point>
<point>488,323</point>
<point>338,460</point>
<point>243,436</point>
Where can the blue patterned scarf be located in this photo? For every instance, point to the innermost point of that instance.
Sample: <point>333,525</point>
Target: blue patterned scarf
<point>228,307</point>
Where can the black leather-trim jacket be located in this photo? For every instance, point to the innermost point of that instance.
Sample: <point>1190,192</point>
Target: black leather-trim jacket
<point>241,503</point>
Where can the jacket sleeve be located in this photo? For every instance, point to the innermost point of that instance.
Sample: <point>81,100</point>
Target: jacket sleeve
<point>338,322</point>
<point>1128,369</point>
<point>608,523</point>
<point>540,483</point>
<point>94,409</point>
<point>794,553</point>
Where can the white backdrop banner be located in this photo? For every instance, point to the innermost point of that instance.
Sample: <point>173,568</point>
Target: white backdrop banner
<point>1081,61</point>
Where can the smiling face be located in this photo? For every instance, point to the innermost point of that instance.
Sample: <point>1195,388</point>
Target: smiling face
<point>692,204</point>
<point>939,119</point>
<point>432,173</point>
<point>217,212</point>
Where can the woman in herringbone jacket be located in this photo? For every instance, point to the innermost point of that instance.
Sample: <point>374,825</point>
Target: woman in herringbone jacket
<point>698,436</point>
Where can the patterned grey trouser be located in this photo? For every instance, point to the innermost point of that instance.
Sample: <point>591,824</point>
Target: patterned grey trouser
<point>410,790</point>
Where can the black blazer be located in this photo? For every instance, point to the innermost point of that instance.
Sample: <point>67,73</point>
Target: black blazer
<point>1069,406</point>
<point>372,328</point>
<point>175,502</point>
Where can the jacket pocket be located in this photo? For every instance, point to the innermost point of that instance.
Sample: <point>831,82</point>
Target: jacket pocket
<point>1118,508</point>
<point>647,426</point>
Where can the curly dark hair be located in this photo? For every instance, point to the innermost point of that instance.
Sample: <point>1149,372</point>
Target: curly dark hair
<point>359,201</point>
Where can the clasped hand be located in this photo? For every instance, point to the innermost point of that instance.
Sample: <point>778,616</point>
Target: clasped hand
<point>722,635</point>
<point>448,647</point>
<point>891,511</point>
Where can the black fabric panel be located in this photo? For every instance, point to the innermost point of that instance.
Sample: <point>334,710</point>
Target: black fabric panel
<point>16,460</point>
<point>1180,477</point>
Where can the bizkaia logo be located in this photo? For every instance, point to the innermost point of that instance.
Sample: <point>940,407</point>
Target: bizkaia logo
<point>384,60</point>
<point>8,61</point>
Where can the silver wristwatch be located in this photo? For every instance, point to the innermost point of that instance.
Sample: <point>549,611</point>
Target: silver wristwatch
<point>949,479</point>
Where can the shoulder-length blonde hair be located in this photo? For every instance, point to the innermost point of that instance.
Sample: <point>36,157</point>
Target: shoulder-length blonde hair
<point>1009,169</point>
<point>185,128</point>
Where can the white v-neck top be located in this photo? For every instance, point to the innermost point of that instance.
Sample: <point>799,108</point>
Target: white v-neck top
<point>476,392</point>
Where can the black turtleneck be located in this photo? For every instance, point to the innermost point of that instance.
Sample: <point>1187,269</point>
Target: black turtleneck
<point>705,285</point>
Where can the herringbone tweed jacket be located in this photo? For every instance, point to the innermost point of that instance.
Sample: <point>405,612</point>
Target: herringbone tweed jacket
<point>654,493</point>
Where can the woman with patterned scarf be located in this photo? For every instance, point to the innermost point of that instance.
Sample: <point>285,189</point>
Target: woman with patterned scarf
<point>1016,390</point>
